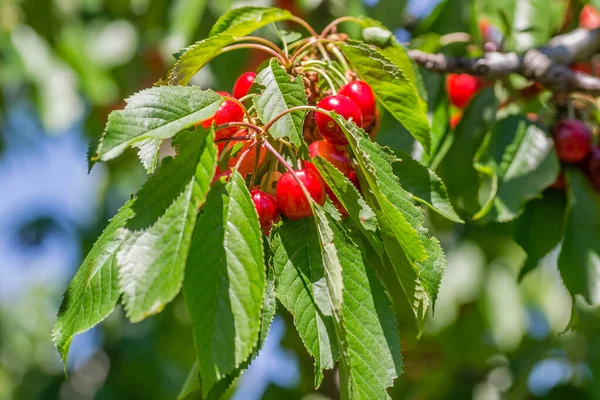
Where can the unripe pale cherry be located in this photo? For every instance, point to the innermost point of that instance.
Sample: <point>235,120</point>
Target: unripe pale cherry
<point>461,88</point>
<point>328,128</point>
<point>362,95</point>
<point>573,140</point>
<point>267,209</point>
<point>243,84</point>
<point>290,197</point>
<point>228,111</point>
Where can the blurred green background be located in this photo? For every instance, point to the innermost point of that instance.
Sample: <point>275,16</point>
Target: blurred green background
<point>65,64</point>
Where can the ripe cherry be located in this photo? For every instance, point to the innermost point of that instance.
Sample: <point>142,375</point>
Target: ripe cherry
<point>364,98</point>
<point>228,111</point>
<point>345,107</point>
<point>268,211</point>
<point>243,84</point>
<point>291,199</point>
<point>573,140</point>
<point>354,179</point>
<point>589,18</point>
<point>332,153</point>
<point>461,88</point>
<point>247,164</point>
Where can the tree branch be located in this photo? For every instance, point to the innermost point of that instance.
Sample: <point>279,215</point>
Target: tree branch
<point>547,65</point>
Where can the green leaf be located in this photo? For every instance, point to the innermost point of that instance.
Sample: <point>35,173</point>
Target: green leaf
<point>302,289</point>
<point>280,94</point>
<point>225,282</point>
<point>579,259</point>
<point>364,218</point>
<point>417,259</point>
<point>193,58</point>
<point>392,88</point>
<point>244,20</point>
<point>425,186</point>
<point>94,291</point>
<point>148,153</point>
<point>159,112</point>
<point>523,158</point>
<point>157,239</point>
<point>468,137</point>
<point>192,387</point>
<point>540,228</point>
<point>373,347</point>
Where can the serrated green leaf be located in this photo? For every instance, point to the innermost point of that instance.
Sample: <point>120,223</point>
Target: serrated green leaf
<point>158,112</point>
<point>244,20</point>
<point>467,139</point>
<point>522,156</point>
<point>425,186</point>
<point>192,386</point>
<point>148,153</point>
<point>225,282</point>
<point>157,239</point>
<point>94,291</point>
<point>417,259</point>
<point>579,259</point>
<point>540,228</point>
<point>392,88</point>
<point>191,59</point>
<point>302,289</point>
<point>281,93</point>
<point>371,335</point>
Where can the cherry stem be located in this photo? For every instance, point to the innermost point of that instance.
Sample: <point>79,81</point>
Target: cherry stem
<point>233,139</point>
<point>246,113</point>
<point>269,124</point>
<point>289,168</point>
<point>323,73</point>
<point>340,57</point>
<point>240,124</point>
<point>338,21</point>
<point>264,41</point>
<point>256,47</point>
<point>246,97</point>
<point>327,67</point>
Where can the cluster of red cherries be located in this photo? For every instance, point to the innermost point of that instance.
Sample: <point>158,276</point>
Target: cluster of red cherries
<point>573,142</point>
<point>283,193</point>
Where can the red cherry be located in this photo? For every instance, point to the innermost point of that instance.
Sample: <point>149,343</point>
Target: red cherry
<point>593,169</point>
<point>228,111</point>
<point>290,197</point>
<point>247,164</point>
<point>354,179</point>
<point>243,84</point>
<point>573,140</point>
<point>461,87</point>
<point>345,107</point>
<point>364,98</point>
<point>332,153</point>
<point>589,17</point>
<point>268,211</point>
<point>583,67</point>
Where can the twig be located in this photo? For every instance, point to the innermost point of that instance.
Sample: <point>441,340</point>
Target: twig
<point>547,65</point>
